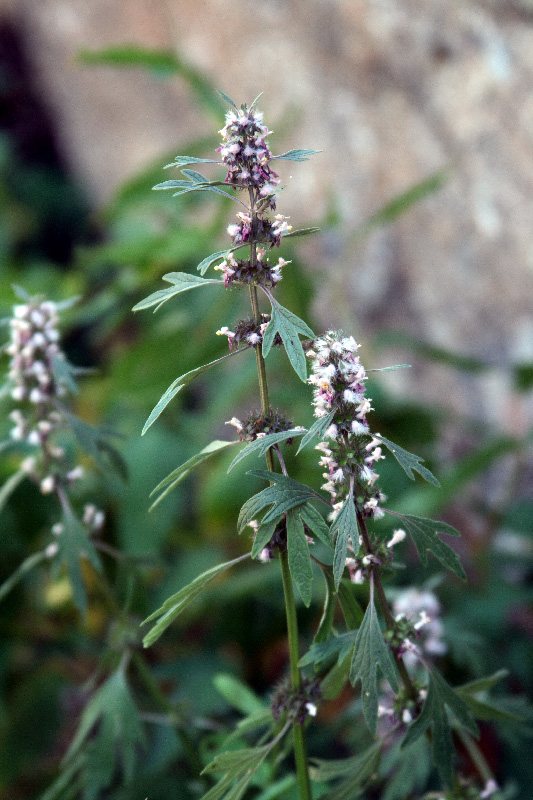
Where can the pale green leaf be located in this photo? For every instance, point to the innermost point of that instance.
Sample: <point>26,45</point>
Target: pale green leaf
<point>424,533</point>
<point>182,161</point>
<point>204,265</point>
<point>370,651</point>
<point>181,282</point>
<point>408,461</point>
<point>390,369</point>
<point>227,98</point>
<point>237,694</point>
<point>296,155</point>
<point>299,232</point>
<point>299,556</point>
<point>194,176</point>
<point>264,443</point>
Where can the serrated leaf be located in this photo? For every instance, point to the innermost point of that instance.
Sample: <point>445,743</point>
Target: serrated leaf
<point>343,529</point>
<point>299,556</point>
<point>95,443</point>
<point>316,524</point>
<point>180,383</point>
<point>181,282</point>
<point>334,649</point>
<point>264,443</point>
<point>264,534</point>
<point>227,98</point>
<point>281,500</point>
<point>408,461</point>
<point>74,544</point>
<point>237,694</point>
<point>362,765</point>
<point>318,429</point>
<point>179,474</point>
<point>172,607</point>
<point>412,768</point>
<point>289,326</point>
<point>239,765</point>
<point>370,651</point>
<point>299,232</point>
<point>297,155</point>
<point>424,532</point>
<point>439,696</point>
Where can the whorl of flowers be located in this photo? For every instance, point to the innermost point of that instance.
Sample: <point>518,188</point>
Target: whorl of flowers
<point>246,154</point>
<point>248,331</point>
<point>242,272</point>
<point>339,380</point>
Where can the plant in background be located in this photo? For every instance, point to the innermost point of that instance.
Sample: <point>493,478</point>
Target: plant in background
<point>350,535</point>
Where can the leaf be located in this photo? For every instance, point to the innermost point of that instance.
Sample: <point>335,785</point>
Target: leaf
<point>316,524</point>
<point>284,495</point>
<point>264,443</point>
<point>412,768</point>
<point>424,532</point>
<point>343,529</point>
<point>237,694</point>
<point>182,161</point>
<point>288,325</point>
<point>202,187</point>
<point>95,443</point>
<point>318,429</point>
<point>204,265</point>
<point>474,694</point>
<point>172,607</point>
<point>390,369</point>
<point>353,613</point>
<point>362,765</point>
<point>408,461</point>
<point>194,176</point>
<point>439,696</point>
<point>326,621</point>
<point>264,534</point>
<point>299,232</point>
<point>297,155</point>
<point>180,384</point>
<point>10,485</point>
<point>180,473</point>
<point>26,566</point>
<point>173,184</point>
<point>333,649</point>
<point>227,98</point>
<point>74,544</point>
<point>299,557</point>
<point>181,282</point>
<point>482,684</point>
<point>239,765</point>
<point>370,651</point>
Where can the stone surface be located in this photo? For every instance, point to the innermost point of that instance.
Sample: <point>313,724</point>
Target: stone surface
<point>391,92</point>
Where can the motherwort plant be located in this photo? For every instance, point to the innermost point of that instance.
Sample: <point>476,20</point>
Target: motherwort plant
<point>346,532</point>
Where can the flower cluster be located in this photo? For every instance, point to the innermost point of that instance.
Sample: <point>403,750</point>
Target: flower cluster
<point>421,610</point>
<point>248,331</point>
<point>296,704</point>
<point>258,424</point>
<point>339,381</point>
<point>241,271</point>
<point>246,154</point>
<point>258,229</point>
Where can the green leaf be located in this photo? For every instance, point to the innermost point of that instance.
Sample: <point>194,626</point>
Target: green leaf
<point>343,529</point>
<point>299,556</point>
<point>74,544</point>
<point>227,98</point>
<point>300,232</point>
<point>204,265</point>
<point>297,155</point>
<point>439,696</point>
<point>288,325</point>
<point>180,383</point>
<point>408,461</point>
<point>180,473</point>
<point>239,765</point>
<point>412,768</point>
<point>424,532</point>
<point>362,765</point>
<point>182,161</point>
<point>390,369</point>
<point>474,694</point>
<point>172,607</point>
<point>264,443</point>
<point>264,534</point>
<point>326,621</point>
<point>10,485</point>
<point>203,187</point>
<point>333,649</point>
<point>284,495</point>
<point>173,184</point>
<point>318,429</point>
<point>237,694</point>
<point>353,613</point>
<point>194,176</point>
<point>95,443</point>
<point>27,565</point>
<point>181,282</point>
<point>316,524</point>
<point>370,651</point>
<point>483,684</point>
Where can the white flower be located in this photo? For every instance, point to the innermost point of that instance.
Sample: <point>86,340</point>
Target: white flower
<point>48,484</point>
<point>491,787</point>
<point>397,536</point>
<point>311,709</point>
<point>358,428</point>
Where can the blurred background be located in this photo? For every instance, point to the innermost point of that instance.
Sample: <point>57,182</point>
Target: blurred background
<point>424,194</point>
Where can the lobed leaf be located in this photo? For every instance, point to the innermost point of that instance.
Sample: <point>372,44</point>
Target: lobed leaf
<point>289,326</point>
<point>299,556</point>
<point>408,461</point>
<point>344,528</point>
<point>172,607</point>
<point>181,282</point>
<point>424,532</point>
<point>264,443</point>
<point>362,765</point>
<point>370,651</point>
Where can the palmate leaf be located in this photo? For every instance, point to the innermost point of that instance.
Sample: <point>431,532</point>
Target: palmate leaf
<point>408,461</point>
<point>180,384</point>
<point>179,474</point>
<point>370,651</point>
<point>334,649</point>
<point>439,696</point>
<point>318,429</point>
<point>239,767</point>
<point>181,282</point>
<point>264,443</point>
<point>172,607</point>
<point>344,528</point>
<point>358,771</point>
<point>299,556</point>
<point>74,544</point>
<point>297,155</point>
<point>289,326</point>
<point>424,533</point>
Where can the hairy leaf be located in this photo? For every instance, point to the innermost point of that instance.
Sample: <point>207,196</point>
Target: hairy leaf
<point>284,495</point>
<point>180,473</point>
<point>317,430</point>
<point>299,556</point>
<point>439,696</point>
<point>315,523</point>
<point>408,461</point>
<point>172,607</point>
<point>343,529</point>
<point>424,533</point>
<point>297,155</point>
<point>264,443</point>
<point>180,384</point>
<point>370,651</point>
<point>73,544</point>
<point>195,176</point>
<point>181,282</point>
<point>289,326</point>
